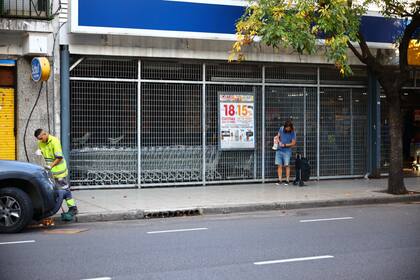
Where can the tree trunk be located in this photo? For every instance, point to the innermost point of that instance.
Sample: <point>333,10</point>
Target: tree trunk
<point>396,176</point>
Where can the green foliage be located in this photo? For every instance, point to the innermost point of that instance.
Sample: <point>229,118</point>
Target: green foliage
<point>299,25</point>
<point>399,8</point>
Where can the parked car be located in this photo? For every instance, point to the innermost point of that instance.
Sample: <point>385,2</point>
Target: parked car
<point>27,193</point>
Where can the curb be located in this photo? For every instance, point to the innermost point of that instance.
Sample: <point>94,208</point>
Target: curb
<point>308,204</point>
<point>243,208</point>
<point>103,217</point>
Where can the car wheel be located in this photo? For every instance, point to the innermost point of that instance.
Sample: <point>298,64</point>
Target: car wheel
<point>16,210</point>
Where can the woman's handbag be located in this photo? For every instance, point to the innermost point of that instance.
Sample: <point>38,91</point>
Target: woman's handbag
<point>275,143</point>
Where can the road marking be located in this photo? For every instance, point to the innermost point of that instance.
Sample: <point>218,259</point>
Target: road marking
<point>17,242</point>
<point>176,230</point>
<point>100,278</point>
<point>323,220</point>
<point>295,260</point>
<point>65,231</point>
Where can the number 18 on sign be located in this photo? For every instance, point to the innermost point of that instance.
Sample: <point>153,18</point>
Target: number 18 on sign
<point>236,121</point>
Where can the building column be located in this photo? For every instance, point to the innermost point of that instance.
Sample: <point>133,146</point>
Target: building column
<point>65,100</point>
<point>374,123</point>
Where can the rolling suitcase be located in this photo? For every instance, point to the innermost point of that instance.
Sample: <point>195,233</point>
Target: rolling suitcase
<point>303,170</point>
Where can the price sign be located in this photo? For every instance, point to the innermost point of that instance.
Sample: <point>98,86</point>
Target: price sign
<point>236,121</point>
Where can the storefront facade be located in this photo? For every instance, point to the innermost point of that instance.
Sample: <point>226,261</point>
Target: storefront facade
<point>146,108</point>
<point>170,110</point>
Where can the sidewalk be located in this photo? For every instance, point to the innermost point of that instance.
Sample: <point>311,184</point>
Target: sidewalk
<point>124,204</point>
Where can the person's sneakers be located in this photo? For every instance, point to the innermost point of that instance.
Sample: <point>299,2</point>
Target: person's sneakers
<point>73,210</point>
<point>286,183</point>
<point>278,183</point>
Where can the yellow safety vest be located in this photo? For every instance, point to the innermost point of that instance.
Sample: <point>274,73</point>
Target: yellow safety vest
<point>50,151</point>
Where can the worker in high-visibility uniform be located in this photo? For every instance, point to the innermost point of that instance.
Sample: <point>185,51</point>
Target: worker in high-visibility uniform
<point>52,152</point>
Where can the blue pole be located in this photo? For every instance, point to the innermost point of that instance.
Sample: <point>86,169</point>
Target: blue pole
<point>65,100</point>
<point>374,120</point>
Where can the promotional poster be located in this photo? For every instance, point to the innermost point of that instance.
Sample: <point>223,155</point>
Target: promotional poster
<point>236,121</point>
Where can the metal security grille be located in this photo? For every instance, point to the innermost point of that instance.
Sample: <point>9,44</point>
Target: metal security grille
<point>335,132</point>
<point>103,133</point>
<point>171,138</point>
<point>154,123</point>
<point>311,129</point>
<point>291,74</point>
<point>233,73</point>
<point>105,68</point>
<point>331,76</point>
<point>177,71</point>
<point>359,131</point>
<point>385,137</point>
<point>283,103</point>
<point>103,125</point>
<point>36,9</point>
<point>7,124</point>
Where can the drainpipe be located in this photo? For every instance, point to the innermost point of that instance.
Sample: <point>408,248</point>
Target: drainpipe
<point>65,100</point>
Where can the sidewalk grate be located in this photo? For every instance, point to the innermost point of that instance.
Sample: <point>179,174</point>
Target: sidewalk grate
<point>169,214</point>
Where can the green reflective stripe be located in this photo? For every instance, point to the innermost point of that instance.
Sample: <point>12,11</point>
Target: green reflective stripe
<point>64,175</point>
<point>70,202</point>
<point>59,172</point>
<point>58,164</point>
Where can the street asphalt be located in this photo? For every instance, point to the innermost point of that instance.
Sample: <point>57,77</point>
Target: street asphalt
<point>357,242</point>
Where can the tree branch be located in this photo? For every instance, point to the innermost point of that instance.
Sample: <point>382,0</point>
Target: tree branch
<point>367,55</point>
<point>368,58</point>
<point>356,52</point>
<point>395,10</point>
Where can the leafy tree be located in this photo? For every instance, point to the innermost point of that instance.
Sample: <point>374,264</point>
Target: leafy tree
<point>299,24</point>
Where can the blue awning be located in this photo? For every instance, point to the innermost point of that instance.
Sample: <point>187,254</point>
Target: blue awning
<point>182,18</point>
<point>7,62</point>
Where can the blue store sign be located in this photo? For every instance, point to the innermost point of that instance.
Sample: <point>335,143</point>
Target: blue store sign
<point>41,69</point>
<point>204,19</point>
<point>36,70</point>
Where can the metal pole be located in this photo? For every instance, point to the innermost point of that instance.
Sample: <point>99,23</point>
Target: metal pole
<point>203,120</point>
<point>263,126</point>
<point>139,125</point>
<point>304,122</point>
<point>318,118</point>
<point>374,123</point>
<point>378,127</point>
<point>351,134</point>
<point>255,126</point>
<point>65,100</point>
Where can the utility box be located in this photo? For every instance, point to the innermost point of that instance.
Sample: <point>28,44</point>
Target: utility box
<point>35,44</point>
